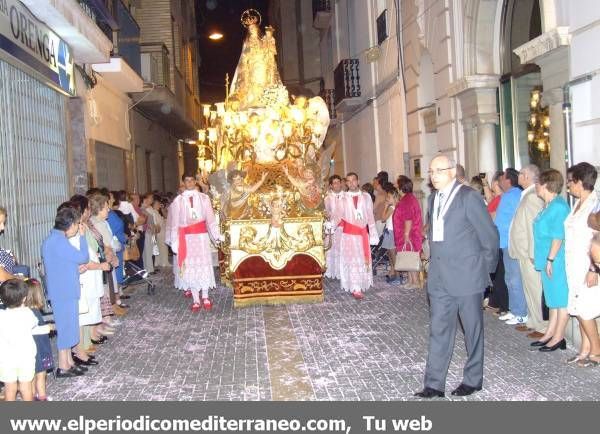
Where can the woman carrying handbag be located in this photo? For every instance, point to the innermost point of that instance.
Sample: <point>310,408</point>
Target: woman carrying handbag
<point>408,237</point>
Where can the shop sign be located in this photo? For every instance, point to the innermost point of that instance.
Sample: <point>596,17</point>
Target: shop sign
<point>29,40</point>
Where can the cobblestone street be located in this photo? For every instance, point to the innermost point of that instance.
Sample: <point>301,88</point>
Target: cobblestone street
<point>341,349</point>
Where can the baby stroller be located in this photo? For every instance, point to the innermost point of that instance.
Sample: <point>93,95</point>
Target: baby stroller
<point>46,310</point>
<point>135,275</point>
<point>379,257</point>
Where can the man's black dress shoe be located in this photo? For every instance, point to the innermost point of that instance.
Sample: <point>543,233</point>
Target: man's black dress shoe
<point>561,344</point>
<point>428,392</point>
<point>465,390</point>
<point>81,362</point>
<point>125,297</point>
<point>68,373</point>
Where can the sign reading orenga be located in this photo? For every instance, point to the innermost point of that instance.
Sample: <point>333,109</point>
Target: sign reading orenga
<point>29,40</point>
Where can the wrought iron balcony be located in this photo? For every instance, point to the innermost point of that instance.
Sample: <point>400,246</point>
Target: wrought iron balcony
<point>321,14</point>
<point>346,80</point>
<point>101,13</point>
<point>128,37</point>
<point>116,22</point>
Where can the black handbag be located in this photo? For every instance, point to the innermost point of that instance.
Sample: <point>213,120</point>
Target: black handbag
<point>545,310</point>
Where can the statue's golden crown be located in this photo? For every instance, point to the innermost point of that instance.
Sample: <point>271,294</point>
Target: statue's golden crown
<point>250,17</point>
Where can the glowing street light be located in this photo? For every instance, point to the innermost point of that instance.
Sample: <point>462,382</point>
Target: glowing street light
<point>215,36</point>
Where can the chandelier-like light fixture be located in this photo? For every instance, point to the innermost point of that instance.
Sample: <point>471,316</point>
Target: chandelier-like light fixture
<point>538,133</point>
<point>274,132</point>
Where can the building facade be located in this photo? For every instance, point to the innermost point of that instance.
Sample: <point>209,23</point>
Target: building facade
<point>94,93</point>
<point>346,51</point>
<point>492,83</point>
<point>41,44</point>
<point>166,114</point>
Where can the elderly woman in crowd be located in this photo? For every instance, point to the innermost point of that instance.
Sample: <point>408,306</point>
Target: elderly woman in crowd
<point>151,231</point>
<point>7,260</point>
<point>111,303</point>
<point>549,258</point>
<point>162,259</point>
<point>92,290</point>
<point>408,224</point>
<point>118,224</point>
<point>62,263</point>
<point>584,292</point>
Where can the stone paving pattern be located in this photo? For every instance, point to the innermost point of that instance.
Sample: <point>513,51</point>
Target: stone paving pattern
<point>344,349</point>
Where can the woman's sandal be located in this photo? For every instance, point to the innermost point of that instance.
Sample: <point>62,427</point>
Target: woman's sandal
<point>588,362</point>
<point>577,358</point>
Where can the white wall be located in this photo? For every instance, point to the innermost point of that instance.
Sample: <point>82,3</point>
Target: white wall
<point>107,110</point>
<point>585,34</point>
<point>150,137</point>
<point>374,137</point>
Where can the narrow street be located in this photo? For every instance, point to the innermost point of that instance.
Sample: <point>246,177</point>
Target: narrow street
<point>342,349</point>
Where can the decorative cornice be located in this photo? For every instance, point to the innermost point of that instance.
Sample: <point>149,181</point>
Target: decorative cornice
<point>543,44</point>
<point>481,119</point>
<point>478,81</point>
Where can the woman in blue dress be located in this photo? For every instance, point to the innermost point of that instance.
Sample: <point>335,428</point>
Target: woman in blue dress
<point>62,264</point>
<point>549,258</point>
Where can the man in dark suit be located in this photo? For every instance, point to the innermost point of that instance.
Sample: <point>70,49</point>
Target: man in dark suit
<point>464,251</point>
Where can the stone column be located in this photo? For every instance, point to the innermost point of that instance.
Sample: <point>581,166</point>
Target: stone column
<point>477,96</point>
<point>486,140</point>
<point>551,52</point>
<point>78,146</point>
<point>129,170</point>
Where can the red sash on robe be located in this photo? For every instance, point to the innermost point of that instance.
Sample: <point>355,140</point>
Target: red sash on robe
<point>350,229</point>
<point>196,228</point>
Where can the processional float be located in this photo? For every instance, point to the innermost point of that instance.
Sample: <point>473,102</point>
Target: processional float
<point>261,151</point>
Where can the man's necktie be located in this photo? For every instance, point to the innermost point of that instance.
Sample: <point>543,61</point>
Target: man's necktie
<point>440,203</point>
<point>192,201</point>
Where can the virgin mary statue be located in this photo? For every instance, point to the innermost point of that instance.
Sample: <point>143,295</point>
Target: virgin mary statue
<point>257,69</point>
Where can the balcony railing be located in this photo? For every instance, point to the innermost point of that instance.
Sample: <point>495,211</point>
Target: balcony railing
<point>329,96</point>
<point>321,13</point>
<point>346,80</point>
<point>155,64</point>
<point>114,19</point>
<point>100,12</point>
<point>128,37</point>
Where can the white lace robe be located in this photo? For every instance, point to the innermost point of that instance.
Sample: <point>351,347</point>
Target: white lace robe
<point>197,271</point>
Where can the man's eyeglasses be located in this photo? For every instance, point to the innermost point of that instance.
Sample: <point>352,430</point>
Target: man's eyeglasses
<point>438,171</point>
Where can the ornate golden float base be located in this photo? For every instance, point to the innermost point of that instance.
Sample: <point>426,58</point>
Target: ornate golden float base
<point>276,265</point>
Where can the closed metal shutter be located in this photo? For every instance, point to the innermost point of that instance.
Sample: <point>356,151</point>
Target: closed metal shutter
<point>110,167</point>
<point>33,161</point>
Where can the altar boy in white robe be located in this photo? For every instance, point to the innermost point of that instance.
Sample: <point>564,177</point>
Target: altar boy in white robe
<point>191,221</point>
<point>333,208</point>
<point>358,233</point>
